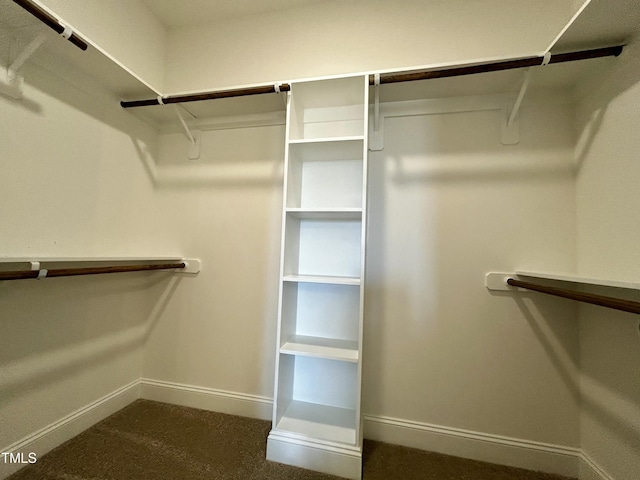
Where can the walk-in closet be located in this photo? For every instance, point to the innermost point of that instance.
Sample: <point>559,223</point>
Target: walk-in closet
<point>319,239</point>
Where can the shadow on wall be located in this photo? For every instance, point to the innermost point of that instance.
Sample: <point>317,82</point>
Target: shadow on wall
<point>465,147</point>
<point>585,384</point>
<point>58,328</point>
<point>595,98</point>
<point>230,158</point>
<point>551,335</point>
<point>610,344</point>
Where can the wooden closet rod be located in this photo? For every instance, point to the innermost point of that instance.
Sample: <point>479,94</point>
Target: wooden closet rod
<point>603,301</point>
<point>393,77</point>
<point>51,22</point>
<point>70,272</point>
<point>498,66</point>
<point>196,97</point>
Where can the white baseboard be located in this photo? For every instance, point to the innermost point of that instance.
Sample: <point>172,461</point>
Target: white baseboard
<point>590,470</point>
<point>474,445</point>
<point>559,459</point>
<point>325,457</point>
<point>58,432</point>
<point>223,401</point>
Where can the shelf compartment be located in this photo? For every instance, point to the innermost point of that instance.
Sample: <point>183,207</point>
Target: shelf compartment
<point>330,312</point>
<point>325,174</point>
<point>317,398</point>
<point>328,108</point>
<point>319,421</point>
<point>323,247</point>
<point>320,347</point>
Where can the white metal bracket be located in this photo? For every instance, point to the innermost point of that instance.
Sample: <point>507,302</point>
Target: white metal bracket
<point>511,111</point>
<point>497,281</point>
<point>193,136</point>
<point>192,265</point>
<point>376,138</point>
<point>42,272</point>
<point>276,87</point>
<point>14,81</point>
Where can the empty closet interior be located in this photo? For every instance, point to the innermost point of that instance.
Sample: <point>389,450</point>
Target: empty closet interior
<point>352,219</point>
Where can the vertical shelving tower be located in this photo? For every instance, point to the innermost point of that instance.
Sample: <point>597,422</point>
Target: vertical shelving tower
<point>316,415</point>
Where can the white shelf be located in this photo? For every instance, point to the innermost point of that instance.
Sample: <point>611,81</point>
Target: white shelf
<point>321,279</point>
<point>318,374</point>
<point>326,213</point>
<point>58,54</point>
<point>321,347</point>
<point>349,138</point>
<point>49,259</point>
<point>319,422</point>
<point>9,264</point>
<point>579,279</point>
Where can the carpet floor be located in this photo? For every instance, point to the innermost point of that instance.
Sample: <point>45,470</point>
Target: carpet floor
<point>155,441</point>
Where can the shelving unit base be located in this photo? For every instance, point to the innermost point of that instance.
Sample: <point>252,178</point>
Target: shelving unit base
<point>322,457</point>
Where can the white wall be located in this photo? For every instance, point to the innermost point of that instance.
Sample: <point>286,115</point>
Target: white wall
<point>124,29</point>
<point>335,37</point>
<point>72,185</point>
<point>219,332</point>
<point>608,225</point>
<point>449,203</point>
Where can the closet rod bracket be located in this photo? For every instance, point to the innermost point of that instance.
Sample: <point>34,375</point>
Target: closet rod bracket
<point>192,265</point>
<point>194,136</point>
<point>13,87</point>
<point>376,135</point>
<point>511,113</point>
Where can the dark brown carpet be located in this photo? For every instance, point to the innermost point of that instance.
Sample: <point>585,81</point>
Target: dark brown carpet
<point>155,441</point>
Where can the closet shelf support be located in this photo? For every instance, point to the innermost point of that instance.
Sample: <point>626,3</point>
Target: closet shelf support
<point>15,82</point>
<point>194,136</point>
<point>520,97</point>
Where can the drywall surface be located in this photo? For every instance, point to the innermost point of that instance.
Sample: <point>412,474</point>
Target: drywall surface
<point>219,331</point>
<point>72,185</point>
<point>334,37</point>
<point>608,226</point>
<point>449,203</point>
<point>125,29</point>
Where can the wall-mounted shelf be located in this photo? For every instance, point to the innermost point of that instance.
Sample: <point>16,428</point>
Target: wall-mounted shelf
<point>547,283</point>
<point>18,27</point>
<point>579,279</point>
<point>21,268</point>
<point>497,280</point>
<point>321,347</point>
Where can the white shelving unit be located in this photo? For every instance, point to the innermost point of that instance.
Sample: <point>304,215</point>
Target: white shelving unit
<point>316,415</point>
